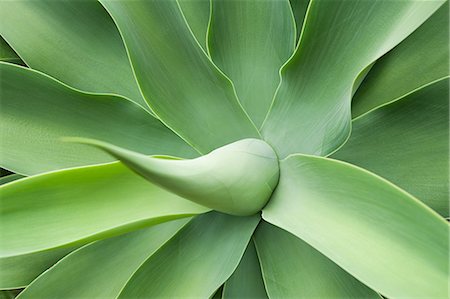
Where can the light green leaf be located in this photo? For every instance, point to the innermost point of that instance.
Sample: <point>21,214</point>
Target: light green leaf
<point>312,105</point>
<point>407,142</point>
<point>377,232</point>
<point>179,81</point>
<point>246,281</point>
<point>420,59</point>
<point>36,111</point>
<point>101,269</point>
<point>73,41</point>
<point>293,269</point>
<point>7,54</point>
<point>197,15</point>
<point>197,261</point>
<point>299,8</point>
<point>75,206</point>
<point>250,41</point>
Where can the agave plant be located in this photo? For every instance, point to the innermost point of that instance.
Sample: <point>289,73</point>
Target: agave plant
<point>226,148</point>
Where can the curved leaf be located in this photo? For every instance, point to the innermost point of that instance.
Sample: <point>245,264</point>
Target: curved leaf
<point>197,261</point>
<point>178,80</point>
<point>101,269</point>
<point>417,61</point>
<point>7,54</point>
<point>407,142</point>
<point>37,111</point>
<point>246,281</point>
<point>10,178</point>
<point>250,41</point>
<point>293,269</point>
<point>299,8</point>
<point>377,232</point>
<point>73,41</point>
<point>75,206</point>
<point>197,15</point>
<point>312,104</point>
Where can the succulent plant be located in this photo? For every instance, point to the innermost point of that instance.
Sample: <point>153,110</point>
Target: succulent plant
<point>224,148</point>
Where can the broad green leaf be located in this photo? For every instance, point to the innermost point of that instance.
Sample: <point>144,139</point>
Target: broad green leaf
<point>75,206</point>
<point>420,59</point>
<point>197,261</point>
<point>249,41</point>
<point>36,111</point>
<point>7,54</point>
<point>293,269</point>
<point>197,15</point>
<point>299,8</point>
<point>178,80</point>
<point>407,143</point>
<point>312,105</point>
<point>73,41</point>
<point>20,270</point>
<point>372,229</point>
<point>246,281</point>
<point>101,269</point>
<point>10,178</point>
<point>219,180</point>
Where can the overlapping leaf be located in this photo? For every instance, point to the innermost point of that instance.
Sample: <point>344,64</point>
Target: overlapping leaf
<point>197,15</point>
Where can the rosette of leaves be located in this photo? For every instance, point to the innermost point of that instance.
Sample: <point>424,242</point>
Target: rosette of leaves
<point>268,149</point>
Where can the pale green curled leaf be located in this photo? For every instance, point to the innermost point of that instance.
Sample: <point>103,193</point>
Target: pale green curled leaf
<point>36,111</point>
<point>70,207</point>
<point>20,270</point>
<point>372,229</point>
<point>246,281</point>
<point>407,143</point>
<point>421,58</point>
<point>10,178</point>
<point>73,41</point>
<point>312,105</point>
<point>249,41</point>
<point>299,8</point>
<point>7,54</point>
<point>196,261</point>
<point>293,269</point>
<point>219,180</point>
<point>178,80</point>
<point>102,269</point>
<point>197,14</point>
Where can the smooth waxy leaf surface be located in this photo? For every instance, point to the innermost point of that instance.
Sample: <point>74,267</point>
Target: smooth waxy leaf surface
<point>377,232</point>
<point>76,206</point>
<point>293,269</point>
<point>101,269</point>
<point>73,41</point>
<point>407,142</point>
<point>180,83</point>
<point>312,105</point>
<point>246,281</point>
<point>420,59</point>
<point>7,54</point>
<point>10,178</point>
<point>250,41</point>
<point>197,15</point>
<point>197,261</point>
<point>219,180</point>
<point>36,111</point>
<point>299,8</point>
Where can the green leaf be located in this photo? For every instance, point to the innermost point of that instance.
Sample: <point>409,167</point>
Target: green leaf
<point>102,269</point>
<point>246,281</point>
<point>178,80</point>
<point>197,16</point>
<point>312,104</point>
<point>250,41</point>
<point>7,54</point>
<point>10,294</point>
<point>299,8</point>
<point>10,178</point>
<point>75,206</point>
<point>407,142</point>
<point>73,41</point>
<point>197,261</point>
<point>293,269</point>
<point>219,180</point>
<point>20,270</point>
<point>377,232</point>
<point>417,61</point>
<point>36,111</point>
